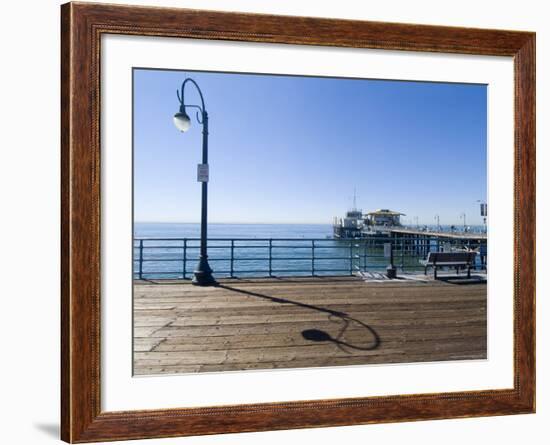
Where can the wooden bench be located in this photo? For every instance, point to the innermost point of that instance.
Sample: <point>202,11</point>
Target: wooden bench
<point>449,259</point>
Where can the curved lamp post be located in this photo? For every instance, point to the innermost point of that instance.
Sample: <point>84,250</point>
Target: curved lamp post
<point>203,272</point>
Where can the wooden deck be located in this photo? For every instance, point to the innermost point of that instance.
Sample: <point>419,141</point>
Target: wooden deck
<point>309,322</point>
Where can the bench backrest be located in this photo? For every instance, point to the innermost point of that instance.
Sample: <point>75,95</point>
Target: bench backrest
<point>451,257</point>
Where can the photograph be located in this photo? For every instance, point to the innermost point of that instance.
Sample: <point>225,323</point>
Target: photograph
<point>280,219</point>
<point>286,221</point>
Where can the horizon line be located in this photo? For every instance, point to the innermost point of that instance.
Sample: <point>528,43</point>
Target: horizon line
<point>290,223</point>
<point>228,222</point>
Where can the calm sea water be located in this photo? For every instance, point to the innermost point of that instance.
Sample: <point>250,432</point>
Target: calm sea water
<point>165,254</point>
<point>171,230</point>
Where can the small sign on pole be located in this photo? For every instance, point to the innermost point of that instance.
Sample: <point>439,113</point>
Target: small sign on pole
<point>387,250</point>
<point>202,173</point>
<point>483,209</point>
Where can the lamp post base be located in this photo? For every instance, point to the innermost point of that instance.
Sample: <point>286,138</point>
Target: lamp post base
<point>203,274</point>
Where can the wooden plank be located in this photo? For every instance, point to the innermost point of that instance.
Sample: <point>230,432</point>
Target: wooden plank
<point>356,338</point>
<point>271,343</point>
<point>351,335</point>
<point>331,328</point>
<point>334,306</point>
<point>309,352</point>
<point>184,319</point>
<point>145,369</point>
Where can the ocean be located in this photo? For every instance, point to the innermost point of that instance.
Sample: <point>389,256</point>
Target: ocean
<point>170,250</point>
<point>189,230</point>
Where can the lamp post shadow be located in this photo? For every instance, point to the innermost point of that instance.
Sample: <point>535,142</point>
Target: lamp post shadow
<point>317,335</point>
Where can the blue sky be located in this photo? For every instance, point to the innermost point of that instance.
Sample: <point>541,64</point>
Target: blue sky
<point>286,149</point>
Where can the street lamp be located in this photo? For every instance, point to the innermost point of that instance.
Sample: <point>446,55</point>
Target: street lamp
<point>182,121</point>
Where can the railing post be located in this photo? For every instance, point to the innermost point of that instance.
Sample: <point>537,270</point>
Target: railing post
<point>351,257</point>
<point>312,257</point>
<point>424,246</point>
<point>365,255</point>
<point>184,258</point>
<point>232,258</point>
<point>140,259</point>
<point>270,256</point>
<point>402,256</point>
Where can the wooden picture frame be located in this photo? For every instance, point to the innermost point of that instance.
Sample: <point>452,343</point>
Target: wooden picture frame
<point>82,26</point>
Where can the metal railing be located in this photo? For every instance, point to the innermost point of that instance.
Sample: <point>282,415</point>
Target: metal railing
<point>278,257</point>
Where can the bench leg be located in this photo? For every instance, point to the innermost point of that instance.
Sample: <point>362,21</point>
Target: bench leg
<point>435,273</point>
<point>468,271</point>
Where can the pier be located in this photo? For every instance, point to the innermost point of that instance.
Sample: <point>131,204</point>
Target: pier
<point>271,323</point>
<point>403,231</point>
